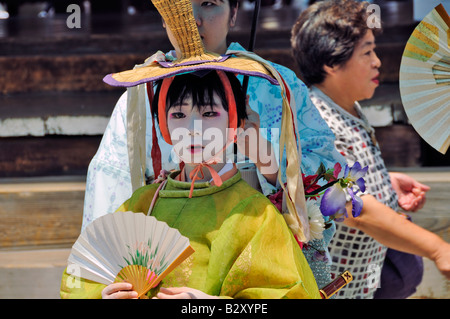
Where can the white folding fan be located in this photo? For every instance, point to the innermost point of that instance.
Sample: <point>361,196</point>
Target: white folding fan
<point>131,247</point>
<point>425,79</point>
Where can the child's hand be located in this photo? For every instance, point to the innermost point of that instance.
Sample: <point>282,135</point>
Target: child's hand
<point>119,290</point>
<point>182,293</point>
<point>250,133</point>
<point>252,144</point>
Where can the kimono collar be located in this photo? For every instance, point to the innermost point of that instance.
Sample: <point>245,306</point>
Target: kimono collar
<point>175,187</point>
<point>228,171</point>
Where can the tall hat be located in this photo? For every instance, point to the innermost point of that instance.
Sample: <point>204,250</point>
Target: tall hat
<point>179,19</point>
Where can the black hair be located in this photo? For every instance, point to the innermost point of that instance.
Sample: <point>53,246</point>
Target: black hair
<point>326,33</point>
<point>201,87</point>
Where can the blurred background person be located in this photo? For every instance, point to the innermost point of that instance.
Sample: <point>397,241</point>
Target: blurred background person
<point>334,49</point>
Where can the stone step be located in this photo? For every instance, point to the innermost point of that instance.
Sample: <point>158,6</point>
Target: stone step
<point>32,274</point>
<point>59,155</point>
<point>40,212</point>
<point>68,113</point>
<point>52,133</point>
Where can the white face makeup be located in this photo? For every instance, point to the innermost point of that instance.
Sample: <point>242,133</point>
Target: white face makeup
<point>197,134</point>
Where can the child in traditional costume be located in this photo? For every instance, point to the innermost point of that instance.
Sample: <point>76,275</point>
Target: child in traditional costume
<point>243,247</point>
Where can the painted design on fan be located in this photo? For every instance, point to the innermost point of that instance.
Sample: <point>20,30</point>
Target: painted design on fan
<point>441,71</point>
<point>142,255</point>
<point>423,43</point>
<point>448,38</point>
<point>424,79</point>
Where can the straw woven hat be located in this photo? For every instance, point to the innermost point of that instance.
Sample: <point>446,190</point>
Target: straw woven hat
<point>179,18</point>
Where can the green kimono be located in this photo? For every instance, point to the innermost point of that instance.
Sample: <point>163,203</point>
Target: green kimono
<point>243,247</point>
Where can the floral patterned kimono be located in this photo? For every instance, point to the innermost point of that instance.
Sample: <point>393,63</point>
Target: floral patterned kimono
<point>243,247</point>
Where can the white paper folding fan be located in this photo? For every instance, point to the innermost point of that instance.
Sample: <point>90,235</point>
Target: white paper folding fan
<point>127,246</point>
<point>425,79</point>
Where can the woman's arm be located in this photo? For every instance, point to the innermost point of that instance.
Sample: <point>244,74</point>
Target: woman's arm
<point>394,231</point>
